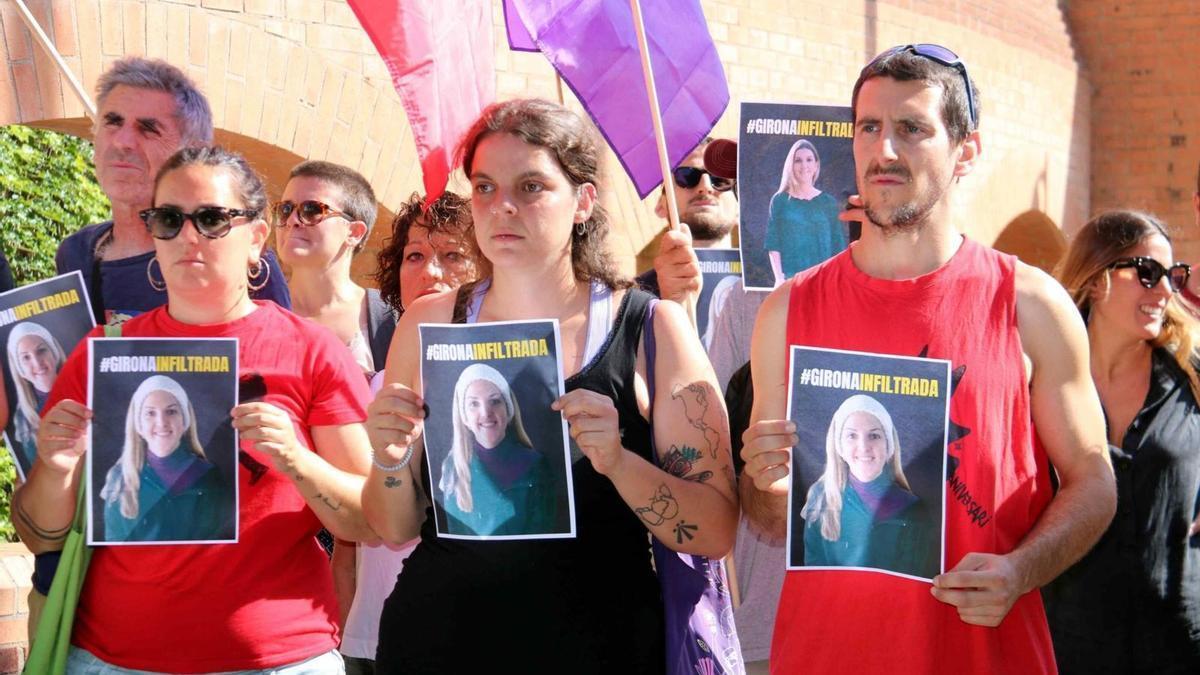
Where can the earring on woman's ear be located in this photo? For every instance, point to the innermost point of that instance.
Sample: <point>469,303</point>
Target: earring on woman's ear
<point>581,228</point>
<point>261,269</point>
<point>155,283</point>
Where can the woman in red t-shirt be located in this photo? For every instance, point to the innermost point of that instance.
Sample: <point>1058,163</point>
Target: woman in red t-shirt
<point>266,601</point>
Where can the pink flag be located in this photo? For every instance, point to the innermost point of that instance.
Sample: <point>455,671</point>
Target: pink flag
<point>439,54</point>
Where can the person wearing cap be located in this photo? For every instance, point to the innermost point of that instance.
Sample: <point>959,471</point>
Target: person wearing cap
<point>708,212</point>
<point>162,487</point>
<point>1022,400</point>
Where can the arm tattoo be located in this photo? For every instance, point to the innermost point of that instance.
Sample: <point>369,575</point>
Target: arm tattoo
<point>685,530</point>
<point>662,508</point>
<point>695,406</point>
<point>332,503</point>
<point>392,482</point>
<point>679,462</point>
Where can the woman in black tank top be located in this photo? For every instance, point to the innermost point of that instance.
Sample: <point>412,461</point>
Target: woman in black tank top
<point>590,604</point>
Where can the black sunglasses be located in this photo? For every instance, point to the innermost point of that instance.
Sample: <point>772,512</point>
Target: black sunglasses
<point>1150,271</point>
<point>688,177</point>
<point>945,57</point>
<point>212,222</point>
<point>310,212</point>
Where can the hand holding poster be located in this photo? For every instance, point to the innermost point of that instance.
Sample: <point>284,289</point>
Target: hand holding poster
<point>41,324</point>
<point>498,457</point>
<point>795,172</point>
<point>867,481</point>
<point>162,455</point>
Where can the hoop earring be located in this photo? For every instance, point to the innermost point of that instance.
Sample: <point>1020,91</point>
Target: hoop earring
<point>155,284</point>
<point>261,269</point>
<point>581,229</point>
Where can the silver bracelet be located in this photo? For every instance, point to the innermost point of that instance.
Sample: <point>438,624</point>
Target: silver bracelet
<point>398,465</point>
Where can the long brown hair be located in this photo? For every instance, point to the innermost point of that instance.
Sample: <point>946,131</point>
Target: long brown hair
<point>1107,238</point>
<point>574,144</point>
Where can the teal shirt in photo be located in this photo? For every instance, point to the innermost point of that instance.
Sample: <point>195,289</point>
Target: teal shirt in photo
<point>901,543</point>
<point>526,506</point>
<point>804,232</point>
<point>201,510</point>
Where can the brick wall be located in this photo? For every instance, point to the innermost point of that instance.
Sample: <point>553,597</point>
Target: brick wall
<point>16,566</point>
<point>1141,57</point>
<point>290,79</point>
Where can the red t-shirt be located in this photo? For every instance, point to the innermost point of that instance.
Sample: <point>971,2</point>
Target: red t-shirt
<point>998,474</point>
<point>267,600</point>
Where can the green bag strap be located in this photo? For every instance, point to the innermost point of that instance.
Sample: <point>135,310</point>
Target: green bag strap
<point>52,642</point>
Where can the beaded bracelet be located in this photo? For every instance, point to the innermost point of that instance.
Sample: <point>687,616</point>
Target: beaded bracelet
<point>394,467</point>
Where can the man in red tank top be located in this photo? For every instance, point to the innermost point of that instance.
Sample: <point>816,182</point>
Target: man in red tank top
<point>914,286</point>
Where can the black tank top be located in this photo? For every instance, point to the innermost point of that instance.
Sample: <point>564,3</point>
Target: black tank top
<point>586,605</point>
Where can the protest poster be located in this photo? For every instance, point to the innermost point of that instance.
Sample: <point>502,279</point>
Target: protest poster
<point>498,457</point>
<point>162,455</point>
<point>868,475</point>
<point>41,324</point>
<point>720,269</point>
<point>795,173</point>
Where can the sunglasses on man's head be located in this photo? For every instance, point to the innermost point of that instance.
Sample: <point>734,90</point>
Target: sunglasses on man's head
<point>688,177</point>
<point>1150,271</point>
<point>309,212</point>
<point>941,55</point>
<point>212,222</point>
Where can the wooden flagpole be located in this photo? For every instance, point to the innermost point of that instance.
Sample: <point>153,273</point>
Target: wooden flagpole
<point>660,138</point>
<point>48,46</point>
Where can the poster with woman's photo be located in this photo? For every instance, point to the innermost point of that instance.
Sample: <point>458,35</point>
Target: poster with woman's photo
<point>868,475</point>
<point>162,455</point>
<point>795,173</point>
<point>720,269</point>
<point>499,458</point>
<point>41,324</point>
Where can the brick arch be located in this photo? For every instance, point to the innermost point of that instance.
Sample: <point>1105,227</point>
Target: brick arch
<point>1033,238</point>
<point>301,76</point>
<point>262,84</point>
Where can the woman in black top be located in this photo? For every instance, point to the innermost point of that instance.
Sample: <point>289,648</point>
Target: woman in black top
<point>1132,605</point>
<point>589,604</point>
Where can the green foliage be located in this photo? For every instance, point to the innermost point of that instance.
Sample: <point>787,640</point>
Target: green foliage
<point>8,477</point>
<point>48,190</point>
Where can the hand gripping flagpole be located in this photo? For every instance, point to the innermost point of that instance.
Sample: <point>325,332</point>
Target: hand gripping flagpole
<point>660,138</point>
<point>44,41</point>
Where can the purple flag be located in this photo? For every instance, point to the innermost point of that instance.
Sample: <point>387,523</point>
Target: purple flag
<point>519,39</point>
<point>593,46</point>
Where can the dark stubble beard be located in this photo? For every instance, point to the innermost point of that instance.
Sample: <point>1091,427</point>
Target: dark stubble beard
<point>910,216</point>
<point>706,227</point>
